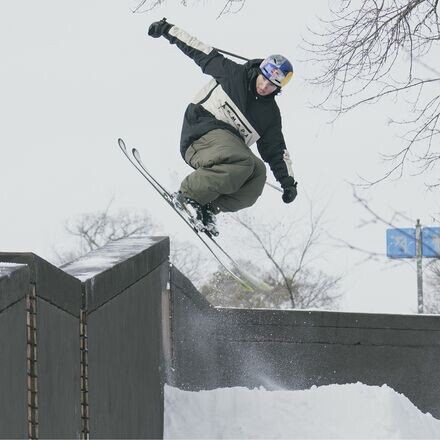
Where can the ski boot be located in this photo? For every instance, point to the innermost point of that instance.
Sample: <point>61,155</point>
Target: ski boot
<point>191,208</point>
<point>209,219</point>
<point>202,218</point>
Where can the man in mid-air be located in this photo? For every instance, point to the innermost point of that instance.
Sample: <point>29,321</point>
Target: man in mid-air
<point>233,111</point>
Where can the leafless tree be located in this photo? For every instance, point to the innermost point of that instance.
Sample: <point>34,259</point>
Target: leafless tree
<point>190,261</point>
<point>371,218</point>
<point>432,296</point>
<point>431,266</point>
<point>94,230</point>
<point>285,264</point>
<point>230,6</point>
<point>374,49</point>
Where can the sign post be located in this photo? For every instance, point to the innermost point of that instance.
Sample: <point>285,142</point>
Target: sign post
<point>419,267</point>
<point>415,243</point>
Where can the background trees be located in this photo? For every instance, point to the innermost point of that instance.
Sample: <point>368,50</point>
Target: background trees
<point>93,230</point>
<point>285,261</point>
<point>366,52</point>
<point>229,6</point>
<point>274,252</point>
<point>432,297</point>
<point>370,50</point>
<point>431,266</point>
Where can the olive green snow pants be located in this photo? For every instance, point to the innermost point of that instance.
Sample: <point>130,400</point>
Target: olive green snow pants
<point>227,174</point>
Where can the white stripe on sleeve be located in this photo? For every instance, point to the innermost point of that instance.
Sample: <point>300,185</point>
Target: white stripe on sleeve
<point>288,162</point>
<point>190,40</point>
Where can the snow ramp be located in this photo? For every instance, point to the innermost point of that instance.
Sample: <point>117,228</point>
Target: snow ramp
<point>88,348</point>
<point>350,411</point>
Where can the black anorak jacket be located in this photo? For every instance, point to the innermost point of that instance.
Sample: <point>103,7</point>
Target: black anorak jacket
<point>230,101</point>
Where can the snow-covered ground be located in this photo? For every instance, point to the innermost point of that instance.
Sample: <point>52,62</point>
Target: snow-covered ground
<point>352,411</point>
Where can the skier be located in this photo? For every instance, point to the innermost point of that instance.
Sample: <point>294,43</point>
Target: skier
<point>233,111</point>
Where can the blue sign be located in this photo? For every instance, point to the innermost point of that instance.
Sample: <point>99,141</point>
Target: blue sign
<point>431,242</point>
<point>401,243</point>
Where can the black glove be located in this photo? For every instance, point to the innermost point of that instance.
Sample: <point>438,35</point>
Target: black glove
<point>289,194</point>
<point>159,28</point>
<point>289,189</point>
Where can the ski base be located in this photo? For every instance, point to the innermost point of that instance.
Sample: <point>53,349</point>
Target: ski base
<point>246,280</point>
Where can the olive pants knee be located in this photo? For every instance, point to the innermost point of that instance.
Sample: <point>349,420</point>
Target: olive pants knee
<point>227,174</point>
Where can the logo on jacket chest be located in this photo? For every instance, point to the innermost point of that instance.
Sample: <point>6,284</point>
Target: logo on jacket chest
<point>223,108</point>
<point>236,121</point>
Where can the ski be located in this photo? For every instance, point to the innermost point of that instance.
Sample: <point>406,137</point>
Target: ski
<point>249,282</point>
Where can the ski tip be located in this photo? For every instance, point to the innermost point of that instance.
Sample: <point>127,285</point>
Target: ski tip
<point>136,153</point>
<point>121,143</point>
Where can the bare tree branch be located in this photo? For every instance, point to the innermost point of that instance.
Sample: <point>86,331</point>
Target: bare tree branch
<point>369,51</point>
<point>230,6</point>
<point>286,266</point>
<point>189,260</point>
<point>94,230</point>
<point>431,266</point>
<point>151,6</point>
<point>269,254</point>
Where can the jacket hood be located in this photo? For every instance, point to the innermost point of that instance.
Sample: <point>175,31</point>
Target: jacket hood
<point>254,63</point>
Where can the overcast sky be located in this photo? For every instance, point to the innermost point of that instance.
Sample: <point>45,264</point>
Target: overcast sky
<point>75,76</point>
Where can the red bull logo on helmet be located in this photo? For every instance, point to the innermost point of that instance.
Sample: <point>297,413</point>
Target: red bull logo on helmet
<point>277,69</point>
